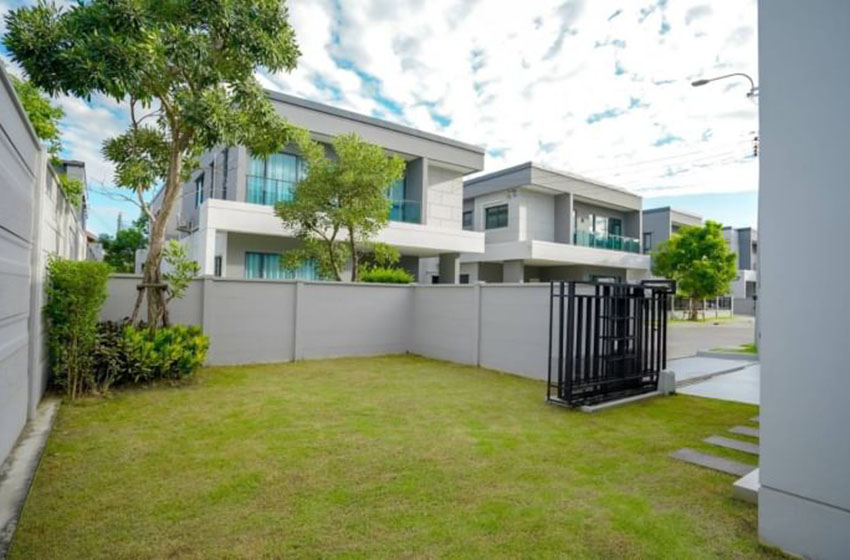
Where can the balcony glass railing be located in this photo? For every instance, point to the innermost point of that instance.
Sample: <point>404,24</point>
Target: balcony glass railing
<point>406,211</point>
<point>606,241</point>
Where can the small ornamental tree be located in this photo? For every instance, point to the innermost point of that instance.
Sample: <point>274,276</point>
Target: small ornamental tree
<point>189,66</point>
<point>341,204</point>
<point>699,260</point>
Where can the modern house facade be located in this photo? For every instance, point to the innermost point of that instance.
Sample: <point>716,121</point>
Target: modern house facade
<point>542,224</point>
<point>744,243</point>
<point>660,223</point>
<point>226,214</point>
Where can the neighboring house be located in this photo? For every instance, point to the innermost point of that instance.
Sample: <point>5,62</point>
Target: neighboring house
<point>541,224</point>
<point>661,223</point>
<point>744,242</point>
<point>226,214</point>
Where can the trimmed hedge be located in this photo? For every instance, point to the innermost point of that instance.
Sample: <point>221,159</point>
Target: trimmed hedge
<point>383,275</point>
<point>76,290</point>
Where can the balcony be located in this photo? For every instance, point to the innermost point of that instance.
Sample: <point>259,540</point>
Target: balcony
<point>606,241</point>
<point>408,211</point>
<point>267,191</point>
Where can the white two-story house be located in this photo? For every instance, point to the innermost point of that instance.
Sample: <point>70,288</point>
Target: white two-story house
<point>226,214</point>
<point>541,224</point>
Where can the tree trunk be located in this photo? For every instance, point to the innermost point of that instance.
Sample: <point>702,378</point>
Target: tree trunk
<point>694,314</point>
<point>154,287</point>
<point>355,262</point>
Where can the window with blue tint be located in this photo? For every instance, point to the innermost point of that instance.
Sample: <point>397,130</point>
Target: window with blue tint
<point>273,179</point>
<point>199,190</point>
<point>270,266</point>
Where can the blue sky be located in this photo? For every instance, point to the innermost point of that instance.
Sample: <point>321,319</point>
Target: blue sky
<point>600,87</point>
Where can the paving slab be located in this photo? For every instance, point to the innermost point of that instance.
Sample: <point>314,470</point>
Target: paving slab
<point>712,462</point>
<point>687,369</point>
<point>746,488</point>
<point>736,444</point>
<point>745,431</point>
<point>738,386</point>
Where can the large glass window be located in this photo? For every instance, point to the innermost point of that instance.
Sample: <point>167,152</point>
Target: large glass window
<point>496,217</point>
<point>269,266</point>
<point>467,219</point>
<point>273,179</point>
<point>615,226</point>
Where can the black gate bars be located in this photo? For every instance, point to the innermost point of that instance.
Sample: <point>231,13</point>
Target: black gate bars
<point>606,340</point>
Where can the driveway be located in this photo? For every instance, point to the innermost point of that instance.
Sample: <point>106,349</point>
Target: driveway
<point>739,386</point>
<point>685,339</point>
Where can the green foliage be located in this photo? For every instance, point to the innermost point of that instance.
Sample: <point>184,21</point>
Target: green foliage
<point>72,189</point>
<point>120,251</point>
<point>76,290</point>
<point>698,259</point>
<point>126,354</point>
<point>383,255</point>
<point>341,198</point>
<point>183,270</point>
<point>190,66</point>
<point>43,115</point>
<point>387,275</point>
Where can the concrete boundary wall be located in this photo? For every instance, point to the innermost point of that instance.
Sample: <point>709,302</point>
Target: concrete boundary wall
<point>498,326</point>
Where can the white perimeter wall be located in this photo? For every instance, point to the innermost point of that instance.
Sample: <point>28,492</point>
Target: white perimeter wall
<point>502,326</point>
<point>804,501</point>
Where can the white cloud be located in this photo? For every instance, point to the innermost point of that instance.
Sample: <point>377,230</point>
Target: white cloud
<point>523,79</point>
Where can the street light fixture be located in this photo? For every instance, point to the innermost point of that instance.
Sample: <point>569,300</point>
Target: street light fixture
<point>754,90</point>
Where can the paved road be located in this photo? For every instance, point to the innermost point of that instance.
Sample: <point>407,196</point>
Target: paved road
<point>685,339</point>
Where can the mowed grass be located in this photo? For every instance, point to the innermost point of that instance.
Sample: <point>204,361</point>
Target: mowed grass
<point>389,457</point>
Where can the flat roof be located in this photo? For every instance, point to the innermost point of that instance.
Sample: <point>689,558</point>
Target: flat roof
<point>671,209</point>
<point>351,115</point>
<point>541,167</point>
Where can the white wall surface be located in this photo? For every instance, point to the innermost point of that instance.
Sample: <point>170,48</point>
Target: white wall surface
<point>444,323</point>
<point>35,222</point>
<point>804,501</point>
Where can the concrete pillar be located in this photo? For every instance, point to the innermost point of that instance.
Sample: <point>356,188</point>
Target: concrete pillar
<point>564,218</point>
<point>513,272</point>
<point>204,253</point>
<point>449,268</point>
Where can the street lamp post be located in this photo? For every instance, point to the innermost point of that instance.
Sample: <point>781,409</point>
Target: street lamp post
<point>754,90</point>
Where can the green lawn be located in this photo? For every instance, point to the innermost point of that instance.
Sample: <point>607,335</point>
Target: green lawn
<point>742,349</point>
<point>391,457</point>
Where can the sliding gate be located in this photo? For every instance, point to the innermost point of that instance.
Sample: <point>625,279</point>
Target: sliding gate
<point>606,340</point>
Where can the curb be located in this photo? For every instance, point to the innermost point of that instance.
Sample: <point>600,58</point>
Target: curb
<point>18,471</point>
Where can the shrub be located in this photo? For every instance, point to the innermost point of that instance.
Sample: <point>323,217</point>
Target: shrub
<point>138,355</point>
<point>76,290</point>
<point>384,275</point>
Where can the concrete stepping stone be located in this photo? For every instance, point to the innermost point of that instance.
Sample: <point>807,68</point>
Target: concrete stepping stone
<point>747,487</point>
<point>745,431</point>
<point>711,462</point>
<point>735,444</point>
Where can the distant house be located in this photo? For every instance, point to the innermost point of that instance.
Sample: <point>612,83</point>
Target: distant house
<point>541,224</point>
<point>660,223</point>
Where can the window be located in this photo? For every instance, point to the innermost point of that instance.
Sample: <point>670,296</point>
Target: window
<point>217,271</point>
<point>273,179</point>
<point>647,242</point>
<point>615,226</point>
<point>467,219</point>
<point>496,217</point>
<point>199,190</point>
<point>269,266</point>
<point>464,278</point>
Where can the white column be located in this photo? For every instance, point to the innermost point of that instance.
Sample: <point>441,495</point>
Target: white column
<point>513,272</point>
<point>449,268</point>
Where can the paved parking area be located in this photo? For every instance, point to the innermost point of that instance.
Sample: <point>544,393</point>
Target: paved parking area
<point>686,339</point>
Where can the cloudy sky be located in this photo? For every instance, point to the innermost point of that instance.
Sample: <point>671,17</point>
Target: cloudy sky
<point>599,87</point>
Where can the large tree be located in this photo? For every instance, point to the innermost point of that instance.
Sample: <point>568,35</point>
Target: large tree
<point>185,70</point>
<point>699,260</point>
<point>341,204</point>
<point>120,251</point>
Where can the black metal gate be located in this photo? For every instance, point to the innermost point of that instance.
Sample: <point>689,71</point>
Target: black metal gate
<point>606,340</point>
